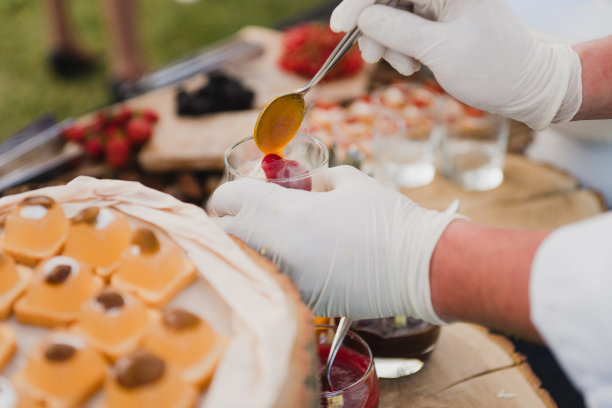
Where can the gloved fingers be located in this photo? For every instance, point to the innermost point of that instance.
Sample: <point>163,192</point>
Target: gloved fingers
<point>371,51</point>
<point>403,64</point>
<point>229,198</point>
<point>453,207</point>
<point>344,17</point>
<point>399,30</point>
<point>429,9</point>
<point>341,176</point>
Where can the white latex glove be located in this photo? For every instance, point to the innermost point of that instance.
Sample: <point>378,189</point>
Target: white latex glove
<point>358,249</point>
<point>479,52</point>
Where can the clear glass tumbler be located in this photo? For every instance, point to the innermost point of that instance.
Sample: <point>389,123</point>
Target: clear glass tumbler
<point>304,157</point>
<point>405,152</point>
<point>353,375</point>
<point>474,150</point>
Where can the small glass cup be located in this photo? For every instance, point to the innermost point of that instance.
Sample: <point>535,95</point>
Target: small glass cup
<point>353,373</point>
<point>398,336</point>
<point>406,134</point>
<point>473,150</point>
<point>243,160</point>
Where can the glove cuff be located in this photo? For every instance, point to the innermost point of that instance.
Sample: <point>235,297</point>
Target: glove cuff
<point>557,94</point>
<point>426,228</point>
<point>573,97</point>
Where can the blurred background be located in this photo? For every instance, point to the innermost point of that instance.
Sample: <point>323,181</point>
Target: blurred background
<point>165,30</point>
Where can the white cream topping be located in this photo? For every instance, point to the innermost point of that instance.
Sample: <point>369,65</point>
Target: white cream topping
<point>135,250</point>
<point>61,260</point>
<point>33,212</point>
<point>68,339</point>
<point>104,219</point>
<point>8,395</point>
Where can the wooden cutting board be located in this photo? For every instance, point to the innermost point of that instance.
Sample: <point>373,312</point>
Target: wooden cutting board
<point>183,143</point>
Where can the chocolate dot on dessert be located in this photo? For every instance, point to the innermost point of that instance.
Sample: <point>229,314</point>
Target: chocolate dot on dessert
<point>58,352</point>
<point>139,369</point>
<point>179,319</point>
<point>110,300</point>
<point>89,215</point>
<point>146,240</point>
<point>44,201</point>
<point>58,275</point>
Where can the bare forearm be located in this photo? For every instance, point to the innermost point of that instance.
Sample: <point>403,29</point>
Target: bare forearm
<point>596,60</point>
<point>481,274</point>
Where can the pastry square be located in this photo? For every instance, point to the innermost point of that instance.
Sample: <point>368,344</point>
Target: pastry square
<point>34,229</point>
<point>60,286</point>
<point>97,237</point>
<point>62,371</point>
<point>187,341</point>
<point>114,322</point>
<point>154,268</point>
<point>140,378</point>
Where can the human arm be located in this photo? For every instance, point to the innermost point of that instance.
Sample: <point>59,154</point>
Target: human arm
<point>596,60</point>
<point>364,250</point>
<point>481,274</point>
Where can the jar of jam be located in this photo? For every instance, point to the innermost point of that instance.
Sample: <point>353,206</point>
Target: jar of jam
<point>398,336</point>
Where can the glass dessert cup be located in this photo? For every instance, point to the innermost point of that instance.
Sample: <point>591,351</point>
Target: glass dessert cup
<point>305,156</point>
<point>353,375</point>
<point>398,336</point>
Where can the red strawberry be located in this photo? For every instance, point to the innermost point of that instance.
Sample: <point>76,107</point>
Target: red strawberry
<point>306,46</point>
<point>138,130</point>
<point>150,115</point>
<point>277,168</point>
<point>93,147</point>
<point>75,133</point>
<point>124,114</point>
<point>117,152</point>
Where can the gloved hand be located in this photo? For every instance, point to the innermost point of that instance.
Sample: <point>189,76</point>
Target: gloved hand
<point>479,52</point>
<point>358,249</point>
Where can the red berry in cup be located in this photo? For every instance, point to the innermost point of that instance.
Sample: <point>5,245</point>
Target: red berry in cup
<point>277,168</point>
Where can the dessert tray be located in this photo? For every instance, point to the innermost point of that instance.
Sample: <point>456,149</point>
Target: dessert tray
<point>114,294</point>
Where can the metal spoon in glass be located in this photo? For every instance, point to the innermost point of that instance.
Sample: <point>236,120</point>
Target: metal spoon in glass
<point>281,118</point>
<point>341,330</point>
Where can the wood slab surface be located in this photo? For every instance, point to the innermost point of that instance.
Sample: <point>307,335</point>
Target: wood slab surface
<point>469,368</point>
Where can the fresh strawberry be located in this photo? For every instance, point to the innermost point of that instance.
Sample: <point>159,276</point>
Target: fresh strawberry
<point>74,133</point>
<point>306,46</point>
<point>278,169</point>
<point>138,130</point>
<point>124,114</point>
<point>117,151</point>
<point>150,115</point>
<point>93,147</point>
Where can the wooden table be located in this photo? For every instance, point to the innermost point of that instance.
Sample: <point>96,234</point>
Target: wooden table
<point>469,368</point>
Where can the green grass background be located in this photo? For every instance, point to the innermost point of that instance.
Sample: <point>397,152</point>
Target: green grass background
<point>168,30</point>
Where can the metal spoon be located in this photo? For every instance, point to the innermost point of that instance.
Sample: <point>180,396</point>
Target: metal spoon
<point>341,330</point>
<point>281,118</point>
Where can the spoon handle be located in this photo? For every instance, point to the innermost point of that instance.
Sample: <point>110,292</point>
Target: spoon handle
<point>343,46</point>
<point>341,330</point>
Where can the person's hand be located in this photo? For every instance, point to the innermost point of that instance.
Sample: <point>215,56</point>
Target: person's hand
<point>479,52</point>
<point>357,249</point>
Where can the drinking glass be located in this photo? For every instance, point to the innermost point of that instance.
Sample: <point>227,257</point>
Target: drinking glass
<point>353,375</point>
<point>243,160</point>
<point>406,134</point>
<point>474,149</point>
